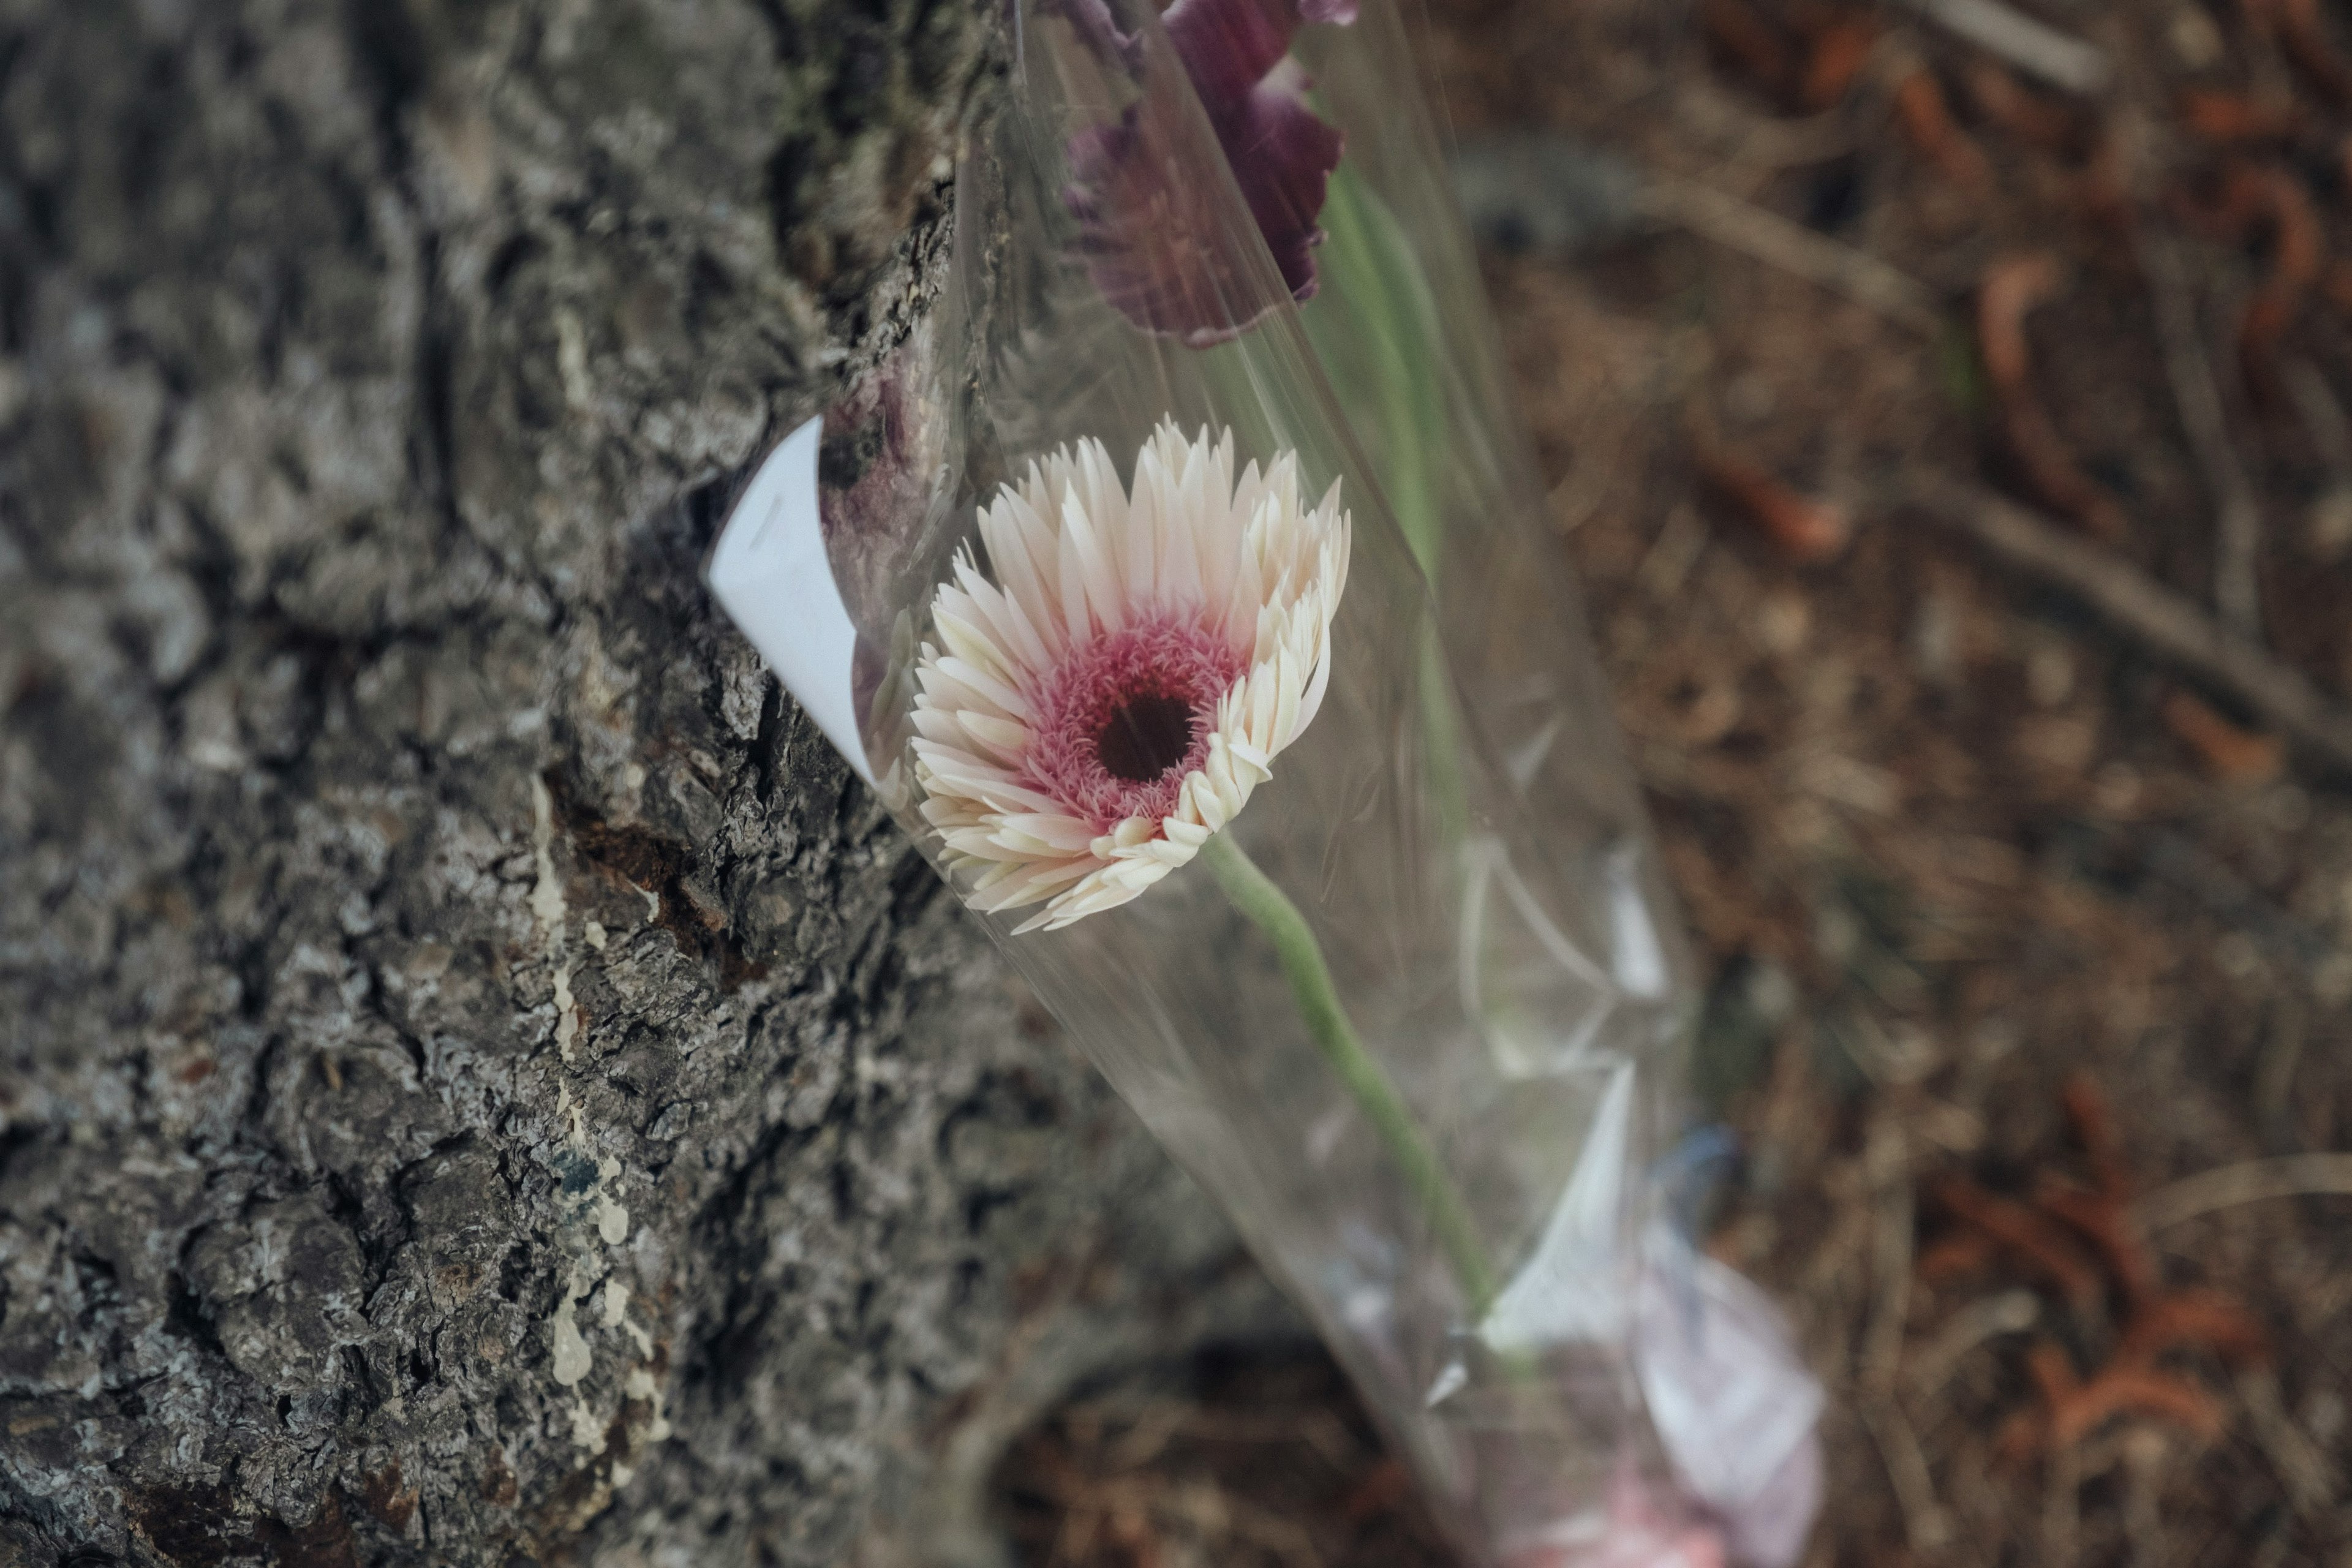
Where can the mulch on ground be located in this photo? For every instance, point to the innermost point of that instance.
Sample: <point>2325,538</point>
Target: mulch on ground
<point>2016,924</point>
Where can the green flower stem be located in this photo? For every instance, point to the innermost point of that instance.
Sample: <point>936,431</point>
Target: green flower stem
<point>1375,275</point>
<point>1254,894</point>
<point>1376,328</point>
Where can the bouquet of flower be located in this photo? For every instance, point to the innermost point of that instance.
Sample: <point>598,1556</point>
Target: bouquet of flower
<point>1254,719</point>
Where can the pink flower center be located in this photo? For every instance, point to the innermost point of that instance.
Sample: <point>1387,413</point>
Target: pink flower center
<point>1124,718</point>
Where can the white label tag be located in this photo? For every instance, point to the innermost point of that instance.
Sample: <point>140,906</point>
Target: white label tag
<point>771,575</point>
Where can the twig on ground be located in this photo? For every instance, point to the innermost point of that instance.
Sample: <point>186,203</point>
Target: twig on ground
<point>2011,1313</point>
<point>1682,538</point>
<point>2322,415</point>
<point>1886,1162</point>
<point>2061,1507</point>
<point>2155,616</point>
<point>2235,118</point>
<point>2229,754</point>
<point>1802,528</point>
<point>2330,429</point>
<point>2093,1125</point>
<point>2298,252</point>
<point>2238,525</point>
<point>1927,120</point>
<point>1777,242</point>
<point>2255,1181</point>
<point>2072,1408</point>
<point>2312,1478</point>
<point>1754,142</point>
<point>2012,287</point>
<point>2304,33</point>
<point>1925,1521</point>
<point>2144,1450</point>
<point>1824,1275</point>
<point>1839,52</point>
<point>2019,1232</point>
<point>2033,46</point>
<point>2195,1316</point>
<point>2100,1220</point>
<point>2025,114</point>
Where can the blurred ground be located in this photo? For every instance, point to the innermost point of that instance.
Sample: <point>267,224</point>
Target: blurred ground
<point>2018,926</point>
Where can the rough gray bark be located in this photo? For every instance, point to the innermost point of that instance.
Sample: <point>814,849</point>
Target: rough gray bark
<point>480,1080</point>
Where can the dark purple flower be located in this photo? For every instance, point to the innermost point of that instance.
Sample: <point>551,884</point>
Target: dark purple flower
<point>1151,223</point>
<point>1230,46</point>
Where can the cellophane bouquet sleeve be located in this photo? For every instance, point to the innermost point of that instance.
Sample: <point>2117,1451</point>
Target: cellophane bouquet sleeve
<point>1273,756</point>
<point>1403,326</point>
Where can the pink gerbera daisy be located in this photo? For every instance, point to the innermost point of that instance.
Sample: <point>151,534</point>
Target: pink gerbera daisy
<point>1107,694</point>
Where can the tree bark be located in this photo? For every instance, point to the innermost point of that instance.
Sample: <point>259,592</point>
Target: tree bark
<point>481,1081</point>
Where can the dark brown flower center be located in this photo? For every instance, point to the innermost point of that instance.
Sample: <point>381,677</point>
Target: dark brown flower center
<point>1144,736</point>
<point>1123,719</point>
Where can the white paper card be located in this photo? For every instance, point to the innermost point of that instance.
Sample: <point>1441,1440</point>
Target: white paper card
<point>771,575</point>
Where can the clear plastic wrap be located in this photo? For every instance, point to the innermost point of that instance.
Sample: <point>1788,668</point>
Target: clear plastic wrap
<point>1283,775</point>
<point>1403,326</point>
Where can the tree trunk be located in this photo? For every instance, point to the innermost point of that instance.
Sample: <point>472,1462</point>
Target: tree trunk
<point>481,1079</point>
